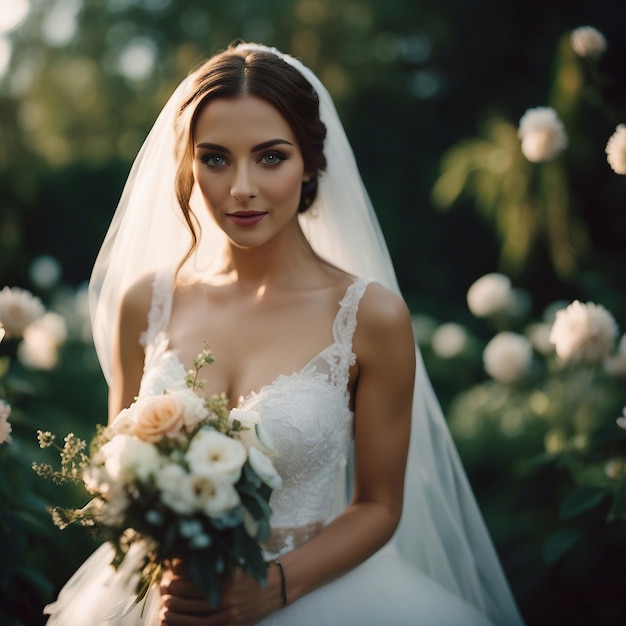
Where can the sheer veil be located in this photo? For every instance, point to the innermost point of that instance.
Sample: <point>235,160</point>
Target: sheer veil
<point>442,530</point>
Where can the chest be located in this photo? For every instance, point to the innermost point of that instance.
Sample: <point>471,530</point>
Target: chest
<point>253,340</point>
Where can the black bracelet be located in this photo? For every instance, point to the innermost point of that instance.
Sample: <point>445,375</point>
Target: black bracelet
<point>283,582</point>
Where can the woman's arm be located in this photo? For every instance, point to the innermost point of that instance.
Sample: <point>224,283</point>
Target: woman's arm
<point>128,354</point>
<point>385,351</point>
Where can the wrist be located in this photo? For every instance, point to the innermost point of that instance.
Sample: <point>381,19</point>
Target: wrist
<point>282,582</point>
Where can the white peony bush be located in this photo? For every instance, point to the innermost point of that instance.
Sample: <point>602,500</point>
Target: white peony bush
<point>588,42</point>
<point>508,357</point>
<point>583,333</point>
<point>616,150</point>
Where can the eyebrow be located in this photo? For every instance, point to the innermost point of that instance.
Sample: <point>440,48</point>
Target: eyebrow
<point>261,146</point>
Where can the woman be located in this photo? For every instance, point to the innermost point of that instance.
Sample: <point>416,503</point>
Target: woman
<point>288,280</point>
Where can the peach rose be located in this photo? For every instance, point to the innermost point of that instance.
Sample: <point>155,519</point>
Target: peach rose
<point>158,416</point>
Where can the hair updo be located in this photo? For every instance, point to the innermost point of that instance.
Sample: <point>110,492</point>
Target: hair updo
<point>237,72</point>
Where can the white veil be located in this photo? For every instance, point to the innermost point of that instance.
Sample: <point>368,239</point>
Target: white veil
<point>442,530</point>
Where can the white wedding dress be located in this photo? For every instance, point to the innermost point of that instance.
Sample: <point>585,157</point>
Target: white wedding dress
<point>308,418</point>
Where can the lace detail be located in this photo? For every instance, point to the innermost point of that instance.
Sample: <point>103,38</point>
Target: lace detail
<point>160,307</point>
<point>306,414</point>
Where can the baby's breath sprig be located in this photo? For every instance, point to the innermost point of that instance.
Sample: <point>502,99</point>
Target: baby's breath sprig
<point>217,406</point>
<point>73,458</point>
<point>203,358</point>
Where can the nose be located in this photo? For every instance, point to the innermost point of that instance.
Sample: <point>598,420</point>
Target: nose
<point>243,187</point>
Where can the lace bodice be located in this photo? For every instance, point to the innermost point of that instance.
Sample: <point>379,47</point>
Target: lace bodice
<point>306,414</point>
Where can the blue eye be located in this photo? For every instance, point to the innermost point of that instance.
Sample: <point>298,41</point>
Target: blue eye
<point>272,158</point>
<point>213,160</point>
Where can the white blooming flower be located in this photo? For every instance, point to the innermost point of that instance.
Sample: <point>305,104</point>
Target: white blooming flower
<point>621,421</point>
<point>5,426</point>
<point>587,41</point>
<point>264,468</point>
<point>583,333</point>
<point>113,512</point>
<point>615,365</point>
<point>175,487</point>
<point>507,357</point>
<point>97,480</point>
<point>490,295</point>
<point>214,495</point>
<point>616,150</point>
<point>212,454</point>
<point>449,340</point>
<point>18,309</point>
<point>127,459</point>
<point>2,332</point>
<point>252,435</point>
<point>194,411</point>
<point>542,134</point>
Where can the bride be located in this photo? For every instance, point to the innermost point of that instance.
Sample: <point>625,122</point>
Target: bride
<point>287,278</point>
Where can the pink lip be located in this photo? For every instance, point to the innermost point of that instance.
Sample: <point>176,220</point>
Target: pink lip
<point>246,218</point>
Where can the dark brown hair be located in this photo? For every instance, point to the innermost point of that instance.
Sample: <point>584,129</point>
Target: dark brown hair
<point>237,72</point>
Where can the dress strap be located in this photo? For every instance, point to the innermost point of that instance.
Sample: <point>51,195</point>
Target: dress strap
<point>160,306</point>
<point>343,331</point>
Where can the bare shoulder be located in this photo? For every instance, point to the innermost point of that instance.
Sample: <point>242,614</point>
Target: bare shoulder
<point>136,301</point>
<point>383,323</point>
<point>382,310</point>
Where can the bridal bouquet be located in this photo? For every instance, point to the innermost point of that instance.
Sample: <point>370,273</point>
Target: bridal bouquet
<point>182,476</point>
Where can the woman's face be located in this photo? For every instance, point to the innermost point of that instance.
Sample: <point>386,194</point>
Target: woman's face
<point>249,168</point>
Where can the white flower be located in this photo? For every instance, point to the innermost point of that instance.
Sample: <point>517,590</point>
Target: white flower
<point>2,332</point>
<point>542,134</point>
<point>176,491</point>
<point>507,357</point>
<point>127,459</point>
<point>18,309</point>
<point>5,426</point>
<point>214,455</point>
<point>588,42</point>
<point>449,340</point>
<point>194,411</point>
<point>252,435</point>
<point>621,421</point>
<point>264,468</point>
<point>97,480</point>
<point>583,333</point>
<point>214,496</point>
<point>490,295</point>
<point>616,365</point>
<point>113,512</point>
<point>40,346</point>
<point>616,150</point>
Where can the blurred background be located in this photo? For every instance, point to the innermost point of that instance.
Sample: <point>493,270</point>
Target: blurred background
<point>431,95</point>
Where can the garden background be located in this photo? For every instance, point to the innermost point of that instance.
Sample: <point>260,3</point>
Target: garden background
<point>431,94</point>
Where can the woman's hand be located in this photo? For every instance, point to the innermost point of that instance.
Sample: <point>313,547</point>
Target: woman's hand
<point>244,601</point>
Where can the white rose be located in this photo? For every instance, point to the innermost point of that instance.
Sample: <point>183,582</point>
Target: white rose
<point>542,134</point>
<point>127,459</point>
<point>264,468</point>
<point>214,455</point>
<point>215,496</point>
<point>507,357</point>
<point>252,435</point>
<point>584,333</point>
<point>449,340</point>
<point>176,490</point>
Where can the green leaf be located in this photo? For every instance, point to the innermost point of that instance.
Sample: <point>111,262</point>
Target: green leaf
<point>582,500</point>
<point>559,543</point>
